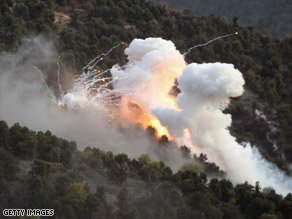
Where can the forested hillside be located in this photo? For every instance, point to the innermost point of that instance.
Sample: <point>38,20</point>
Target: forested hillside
<point>273,16</point>
<point>40,170</point>
<point>91,27</point>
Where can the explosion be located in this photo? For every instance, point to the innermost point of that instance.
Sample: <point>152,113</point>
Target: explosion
<point>132,91</point>
<point>141,92</point>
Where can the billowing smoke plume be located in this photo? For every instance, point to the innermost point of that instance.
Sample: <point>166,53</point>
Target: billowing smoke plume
<point>153,66</point>
<point>205,92</point>
<point>140,93</point>
<point>24,99</point>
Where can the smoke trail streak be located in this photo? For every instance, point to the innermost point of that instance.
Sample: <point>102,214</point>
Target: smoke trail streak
<point>49,91</point>
<point>210,41</point>
<point>139,93</point>
<point>59,79</point>
<point>89,66</point>
<point>97,73</point>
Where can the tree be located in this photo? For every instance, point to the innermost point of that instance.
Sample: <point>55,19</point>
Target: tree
<point>259,206</point>
<point>76,196</point>
<point>144,160</point>
<point>213,213</point>
<point>203,157</point>
<point>5,196</point>
<point>22,10</point>
<point>186,152</point>
<point>125,209</point>
<point>118,172</point>
<point>215,188</point>
<point>235,21</point>
<point>23,142</point>
<point>192,167</point>
<point>4,134</point>
<point>37,192</point>
<point>75,20</point>
<point>41,167</point>
<point>37,10</point>
<point>227,189</point>
<point>286,207</point>
<point>243,195</point>
<point>62,2</point>
<point>8,164</point>
<point>64,181</point>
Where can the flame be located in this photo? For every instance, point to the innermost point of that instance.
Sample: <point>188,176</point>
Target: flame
<point>134,113</point>
<point>131,99</point>
<point>61,104</point>
<point>161,130</point>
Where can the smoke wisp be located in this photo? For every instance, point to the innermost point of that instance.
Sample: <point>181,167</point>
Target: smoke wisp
<point>24,99</point>
<point>102,110</point>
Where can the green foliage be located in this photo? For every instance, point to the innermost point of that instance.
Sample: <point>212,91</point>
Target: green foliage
<point>54,182</point>
<point>190,181</point>
<point>264,60</point>
<point>164,202</point>
<point>53,149</point>
<point>259,206</point>
<point>192,167</point>
<point>209,168</point>
<point>76,196</point>
<point>22,141</point>
<point>22,18</point>
<point>152,171</point>
<point>41,167</point>
<point>8,164</point>
<point>118,172</point>
<point>270,15</point>
<point>4,134</point>
<point>125,210</point>
<point>183,195</point>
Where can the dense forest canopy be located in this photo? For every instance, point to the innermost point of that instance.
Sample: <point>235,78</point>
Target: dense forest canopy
<point>273,16</point>
<point>82,29</point>
<point>91,26</point>
<point>57,178</point>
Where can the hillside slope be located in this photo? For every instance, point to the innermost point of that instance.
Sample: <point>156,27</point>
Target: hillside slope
<point>40,170</point>
<point>50,173</point>
<point>272,15</point>
<point>94,26</point>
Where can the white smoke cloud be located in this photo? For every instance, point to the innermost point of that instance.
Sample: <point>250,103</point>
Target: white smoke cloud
<point>212,83</point>
<point>153,65</point>
<point>205,92</point>
<point>23,99</point>
<point>194,117</point>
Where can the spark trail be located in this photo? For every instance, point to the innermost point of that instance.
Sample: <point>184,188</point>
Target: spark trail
<point>48,90</point>
<point>98,58</point>
<point>210,41</point>
<point>99,87</point>
<point>59,79</point>
<point>138,93</point>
